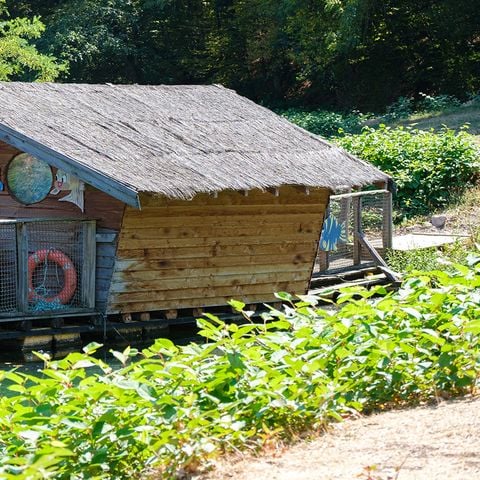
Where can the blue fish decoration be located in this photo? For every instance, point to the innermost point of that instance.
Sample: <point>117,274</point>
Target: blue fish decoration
<point>332,233</point>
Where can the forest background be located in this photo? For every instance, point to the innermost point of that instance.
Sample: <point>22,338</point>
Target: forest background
<point>337,54</point>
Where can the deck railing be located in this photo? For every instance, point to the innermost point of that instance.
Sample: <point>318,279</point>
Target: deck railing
<point>357,227</point>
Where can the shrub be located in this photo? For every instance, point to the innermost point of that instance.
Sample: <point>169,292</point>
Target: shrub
<point>426,259</point>
<point>437,103</point>
<point>402,108</point>
<point>173,407</point>
<point>324,123</point>
<point>430,169</point>
<point>413,260</point>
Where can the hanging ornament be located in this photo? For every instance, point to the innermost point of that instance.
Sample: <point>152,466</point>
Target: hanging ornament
<point>66,182</point>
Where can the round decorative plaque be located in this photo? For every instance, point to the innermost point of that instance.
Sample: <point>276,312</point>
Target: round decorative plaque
<point>29,180</point>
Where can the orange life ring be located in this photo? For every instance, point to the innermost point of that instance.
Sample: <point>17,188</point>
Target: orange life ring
<point>69,274</point>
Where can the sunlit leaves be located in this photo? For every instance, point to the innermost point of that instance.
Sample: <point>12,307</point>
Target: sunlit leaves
<point>173,407</point>
<point>19,58</point>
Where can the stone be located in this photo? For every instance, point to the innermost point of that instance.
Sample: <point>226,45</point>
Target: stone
<point>438,221</point>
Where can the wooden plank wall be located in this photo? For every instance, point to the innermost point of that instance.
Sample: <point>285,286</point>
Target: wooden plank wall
<point>106,251</point>
<point>203,252</point>
<point>106,210</point>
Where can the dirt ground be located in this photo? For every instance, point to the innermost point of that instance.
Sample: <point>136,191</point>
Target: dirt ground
<point>424,443</point>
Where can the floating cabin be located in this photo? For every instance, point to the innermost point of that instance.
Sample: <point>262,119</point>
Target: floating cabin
<point>119,200</point>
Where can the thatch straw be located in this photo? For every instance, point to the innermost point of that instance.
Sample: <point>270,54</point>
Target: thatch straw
<point>177,140</point>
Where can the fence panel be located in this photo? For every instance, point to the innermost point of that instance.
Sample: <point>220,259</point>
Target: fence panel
<point>367,212</point>
<point>8,268</point>
<point>46,267</point>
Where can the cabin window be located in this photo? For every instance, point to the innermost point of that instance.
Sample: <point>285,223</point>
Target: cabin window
<point>29,179</point>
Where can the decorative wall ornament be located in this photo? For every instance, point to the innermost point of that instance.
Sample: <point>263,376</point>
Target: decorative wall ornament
<point>29,179</point>
<point>65,182</point>
<point>333,232</point>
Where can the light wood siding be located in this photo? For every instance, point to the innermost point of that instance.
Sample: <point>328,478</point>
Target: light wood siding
<point>203,252</point>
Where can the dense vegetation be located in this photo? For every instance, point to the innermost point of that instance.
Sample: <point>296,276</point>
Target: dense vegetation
<point>172,407</point>
<point>430,169</point>
<point>19,58</point>
<point>343,53</point>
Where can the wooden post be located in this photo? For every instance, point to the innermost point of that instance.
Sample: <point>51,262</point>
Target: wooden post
<point>171,314</point>
<point>322,258</point>
<point>322,255</point>
<point>22,267</point>
<point>88,265</point>
<point>387,220</point>
<point>345,204</point>
<point>357,230</point>
<point>274,191</point>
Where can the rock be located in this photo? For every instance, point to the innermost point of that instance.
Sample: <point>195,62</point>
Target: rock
<point>438,221</point>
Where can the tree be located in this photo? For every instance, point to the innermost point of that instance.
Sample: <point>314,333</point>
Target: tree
<point>19,58</point>
<point>341,53</point>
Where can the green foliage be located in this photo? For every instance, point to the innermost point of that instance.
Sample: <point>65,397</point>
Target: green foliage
<point>324,123</point>
<point>430,169</point>
<point>344,54</point>
<point>173,407</point>
<point>401,108</point>
<point>427,259</point>
<point>19,58</point>
<point>437,103</point>
<point>414,260</point>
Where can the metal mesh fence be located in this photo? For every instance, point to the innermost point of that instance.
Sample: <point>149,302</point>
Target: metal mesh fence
<point>46,266</point>
<point>55,257</point>
<point>8,268</point>
<point>367,212</point>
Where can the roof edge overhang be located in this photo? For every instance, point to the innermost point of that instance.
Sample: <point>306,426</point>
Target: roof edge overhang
<point>120,191</point>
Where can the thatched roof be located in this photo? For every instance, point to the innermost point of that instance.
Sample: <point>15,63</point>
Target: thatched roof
<point>173,140</point>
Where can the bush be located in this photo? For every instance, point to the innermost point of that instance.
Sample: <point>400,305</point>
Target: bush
<point>437,103</point>
<point>173,407</point>
<point>409,261</point>
<point>324,123</point>
<point>402,108</point>
<point>426,259</point>
<point>430,169</point>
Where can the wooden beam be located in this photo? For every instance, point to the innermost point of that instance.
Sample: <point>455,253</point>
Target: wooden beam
<point>22,266</point>
<point>303,189</point>
<point>274,191</point>
<point>357,229</point>
<point>105,237</point>
<point>390,274</point>
<point>387,233</point>
<point>95,178</point>
<point>88,265</point>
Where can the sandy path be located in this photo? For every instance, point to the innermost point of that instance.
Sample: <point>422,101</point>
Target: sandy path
<point>428,443</point>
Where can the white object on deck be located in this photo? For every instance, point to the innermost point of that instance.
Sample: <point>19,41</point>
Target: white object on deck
<point>416,241</point>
